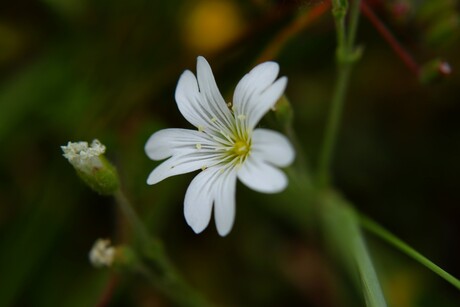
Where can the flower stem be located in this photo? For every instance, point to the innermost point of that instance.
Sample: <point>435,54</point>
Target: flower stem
<point>141,232</point>
<point>155,264</point>
<point>407,59</point>
<point>391,239</point>
<point>159,270</point>
<point>354,21</point>
<point>346,56</point>
<point>300,23</point>
<point>333,123</point>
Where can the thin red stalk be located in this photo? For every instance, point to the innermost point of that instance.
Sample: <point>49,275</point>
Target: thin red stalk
<point>402,53</point>
<point>296,26</point>
<point>107,293</point>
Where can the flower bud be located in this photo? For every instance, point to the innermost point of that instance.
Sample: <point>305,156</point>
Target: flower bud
<point>434,70</point>
<point>102,254</point>
<point>283,111</point>
<point>91,166</point>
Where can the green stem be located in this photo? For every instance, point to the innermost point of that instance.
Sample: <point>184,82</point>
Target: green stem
<point>339,11</point>
<point>332,126</point>
<point>354,20</point>
<point>346,56</point>
<point>387,236</point>
<point>159,270</point>
<point>155,264</point>
<point>140,231</point>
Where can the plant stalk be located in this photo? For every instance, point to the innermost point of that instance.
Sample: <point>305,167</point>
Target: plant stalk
<point>391,239</point>
<point>346,56</point>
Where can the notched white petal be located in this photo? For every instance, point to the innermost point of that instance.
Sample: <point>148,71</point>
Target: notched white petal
<point>199,199</point>
<point>272,147</point>
<point>164,143</point>
<point>188,99</point>
<point>262,177</point>
<point>224,206</point>
<point>266,100</point>
<point>211,98</point>
<point>253,83</point>
<point>181,164</point>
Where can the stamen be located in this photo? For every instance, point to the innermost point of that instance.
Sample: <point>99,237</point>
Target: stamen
<point>198,146</point>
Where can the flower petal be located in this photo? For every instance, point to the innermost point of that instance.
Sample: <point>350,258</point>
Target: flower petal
<point>272,147</point>
<point>199,199</point>
<point>200,101</point>
<point>265,101</point>
<point>224,206</point>
<point>188,99</point>
<point>211,98</point>
<point>254,82</point>
<point>182,164</point>
<point>164,143</point>
<point>257,92</point>
<point>262,177</point>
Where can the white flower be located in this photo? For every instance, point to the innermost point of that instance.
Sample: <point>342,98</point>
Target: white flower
<point>226,144</point>
<point>102,253</point>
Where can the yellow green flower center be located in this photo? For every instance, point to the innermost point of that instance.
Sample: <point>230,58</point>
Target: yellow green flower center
<point>241,148</point>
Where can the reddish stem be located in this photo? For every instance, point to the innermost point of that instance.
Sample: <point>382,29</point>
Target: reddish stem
<point>107,293</point>
<point>296,26</point>
<point>402,53</point>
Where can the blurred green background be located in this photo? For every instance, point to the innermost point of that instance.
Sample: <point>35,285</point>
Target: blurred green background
<point>75,70</point>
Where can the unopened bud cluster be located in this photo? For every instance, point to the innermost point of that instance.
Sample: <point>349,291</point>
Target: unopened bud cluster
<point>102,253</point>
<point>435,70</point>
<point>91,166</point>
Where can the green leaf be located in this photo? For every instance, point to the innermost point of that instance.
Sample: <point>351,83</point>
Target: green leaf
<point>345,238</point>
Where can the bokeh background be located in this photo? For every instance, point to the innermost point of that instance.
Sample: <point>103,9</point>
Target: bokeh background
<point>75,70</point>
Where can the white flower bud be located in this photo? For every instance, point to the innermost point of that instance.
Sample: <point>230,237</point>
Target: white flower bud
<point>102,253</point>
<point>83,157</point>
<point>91,165</point>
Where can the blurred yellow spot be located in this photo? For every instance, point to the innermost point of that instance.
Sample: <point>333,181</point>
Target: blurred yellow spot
<point>403,288</point>
<point>12,43</point>
<point>211,24</point>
